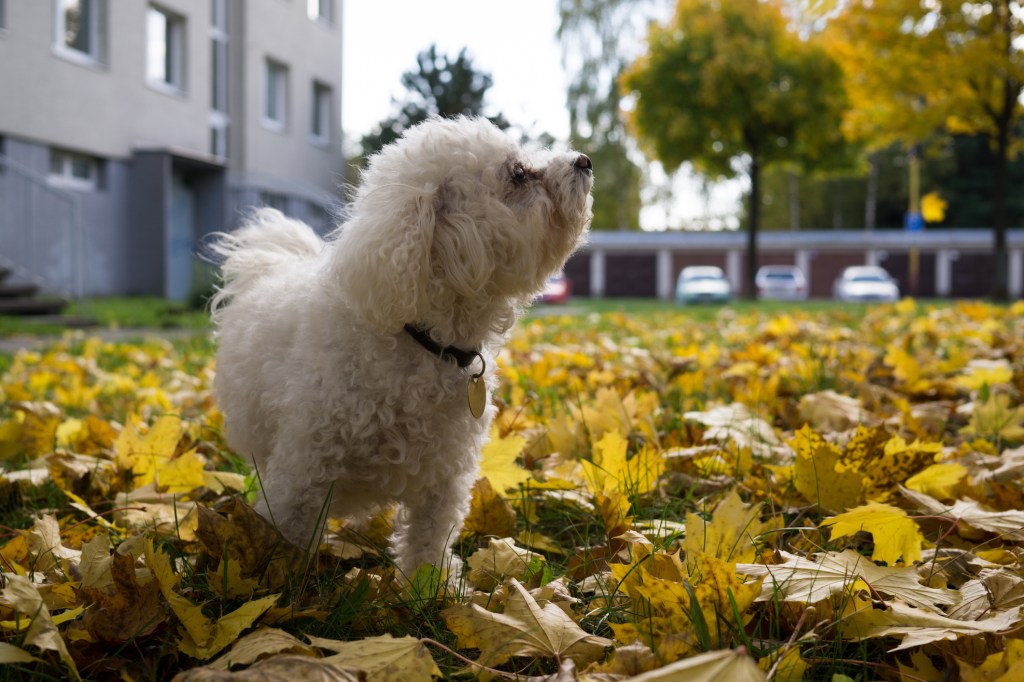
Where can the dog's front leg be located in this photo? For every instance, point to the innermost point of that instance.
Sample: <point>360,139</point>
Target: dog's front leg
<point>294,502</point>
<point>427,526</point>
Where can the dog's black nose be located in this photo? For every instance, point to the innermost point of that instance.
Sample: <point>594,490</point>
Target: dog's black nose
<point>583,161</point>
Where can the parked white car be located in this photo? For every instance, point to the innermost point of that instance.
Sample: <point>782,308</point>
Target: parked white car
<point>702,284</point>
<point>781,283</point>
<point>865,283</point>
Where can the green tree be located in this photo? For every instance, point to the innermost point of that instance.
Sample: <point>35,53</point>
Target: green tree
<point>591,32</point>
<point>917,68</point>
<point>439,86</point>
<point>728,86</point>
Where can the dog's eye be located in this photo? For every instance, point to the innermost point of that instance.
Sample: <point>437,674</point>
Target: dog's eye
<point>518,173</point>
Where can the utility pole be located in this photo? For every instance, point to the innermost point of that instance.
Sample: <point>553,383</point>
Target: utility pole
<point>914,221</point>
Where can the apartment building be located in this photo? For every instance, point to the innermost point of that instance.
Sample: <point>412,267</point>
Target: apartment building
<point>129,129</point>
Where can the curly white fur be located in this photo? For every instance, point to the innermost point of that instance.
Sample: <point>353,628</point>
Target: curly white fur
<point>454,229</point>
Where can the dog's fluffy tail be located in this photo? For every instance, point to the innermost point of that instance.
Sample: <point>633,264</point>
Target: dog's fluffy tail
<point>266,242</point>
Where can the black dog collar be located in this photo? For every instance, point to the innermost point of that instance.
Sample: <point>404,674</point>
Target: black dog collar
<point>463,358</point>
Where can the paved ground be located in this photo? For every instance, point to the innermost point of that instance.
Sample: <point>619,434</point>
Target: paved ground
<point>13,344</point>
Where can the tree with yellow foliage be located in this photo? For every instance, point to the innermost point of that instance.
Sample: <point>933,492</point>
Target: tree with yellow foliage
<point>915,68</point>
<point>727,85</point>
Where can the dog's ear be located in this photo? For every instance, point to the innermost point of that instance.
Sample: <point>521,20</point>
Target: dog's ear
<point>382,257</point>
<point>460,249</point>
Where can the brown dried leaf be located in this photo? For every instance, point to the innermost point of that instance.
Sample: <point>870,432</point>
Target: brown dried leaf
<point>489,512</point>
<point>126,609</point>
<point>276,669</point>
<point>250,541</point>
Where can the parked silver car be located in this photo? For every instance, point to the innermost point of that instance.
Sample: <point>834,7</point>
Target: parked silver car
<point>865,283</point>
<point>702,284</point>
<point>781,282</point>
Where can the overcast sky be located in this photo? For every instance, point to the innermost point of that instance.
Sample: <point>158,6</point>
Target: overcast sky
<point>514,42</point>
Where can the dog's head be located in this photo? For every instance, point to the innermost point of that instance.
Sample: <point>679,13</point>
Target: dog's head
<point>455,226</point>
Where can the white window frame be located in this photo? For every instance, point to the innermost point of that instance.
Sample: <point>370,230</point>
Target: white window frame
<point>219,126</point>
<point>322,109</point>
<point>220,96</point>
<point>92,58</point>
<point>64,173</point>
<point>219,16</point>
<point>172,80</point>
<point>320,10</point>
<point>273,68</point>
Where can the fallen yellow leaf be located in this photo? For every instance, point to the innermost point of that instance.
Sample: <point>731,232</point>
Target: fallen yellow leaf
<point>523,629</point>
<point>895,534</point>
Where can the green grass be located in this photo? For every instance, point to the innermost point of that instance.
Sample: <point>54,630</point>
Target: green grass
<point>117,313</point>
<point>651,306</point>
<point>157,313</point>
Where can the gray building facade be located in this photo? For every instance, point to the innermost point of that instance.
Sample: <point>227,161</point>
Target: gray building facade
<point>130,129</point>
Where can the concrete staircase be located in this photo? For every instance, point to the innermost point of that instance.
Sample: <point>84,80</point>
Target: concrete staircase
<point>19,298</point>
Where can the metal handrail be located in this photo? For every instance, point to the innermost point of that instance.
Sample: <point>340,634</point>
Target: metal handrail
<point>78,275</point>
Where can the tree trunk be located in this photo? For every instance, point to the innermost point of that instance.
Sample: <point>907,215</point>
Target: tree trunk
<point>1004,120</point>
<point>794,200</point>
<point>750,290</point>
<point>871,201</point>
<point>1000,270</point>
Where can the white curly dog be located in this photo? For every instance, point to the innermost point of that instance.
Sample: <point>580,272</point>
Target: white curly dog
<point>346,367</point>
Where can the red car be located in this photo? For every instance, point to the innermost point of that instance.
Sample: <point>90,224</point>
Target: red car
<point>556,290</point>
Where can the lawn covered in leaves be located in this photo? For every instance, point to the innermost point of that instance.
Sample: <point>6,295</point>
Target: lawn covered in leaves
<point>831,494</point>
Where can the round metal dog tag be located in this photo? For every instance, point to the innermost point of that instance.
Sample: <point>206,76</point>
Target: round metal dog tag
<point>476,391</point>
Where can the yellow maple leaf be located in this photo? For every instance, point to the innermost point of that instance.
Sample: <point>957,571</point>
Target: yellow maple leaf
<point>730,534</point>
<point>894,533</point>
<point>819,475</point>
<point>678,618</point>
<point>1001,666</point>
<point>790,668</point>
<point>921,669</point>
<point>144,454</point>
<point>906,368</point>
<point>997,419</point>
<point>610,470</point>
<point>10,438</point>
<point>201,636</point>
<point>498,463</point>
<point>607,464</point>
<point>938,480</point>
<point>489,512</point>
<point>39,424</point>
<point>181,474</point>
<point>981,373</point>
<point>608,415</point>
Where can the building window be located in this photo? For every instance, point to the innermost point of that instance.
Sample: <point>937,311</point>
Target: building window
<point>79,29</point>
<point>321,123</point>
<point>275,105</point>
<point>274,200</point>
<point>165,49</point>
<point>219,96</point>
<point>219,19</point>
<point>73,170</point>
<point>219,127</point>
<point>3,15</point>
<point>319,10</point>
